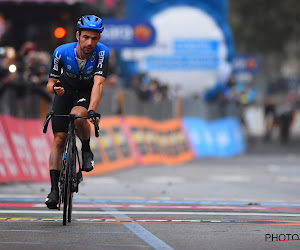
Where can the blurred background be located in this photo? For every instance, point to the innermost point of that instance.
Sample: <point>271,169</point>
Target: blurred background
<point>207,59</point>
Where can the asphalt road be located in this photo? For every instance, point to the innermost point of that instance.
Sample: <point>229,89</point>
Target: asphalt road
<point>247,202</point>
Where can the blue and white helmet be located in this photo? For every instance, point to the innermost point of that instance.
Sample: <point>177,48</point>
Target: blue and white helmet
<point>90,22</point>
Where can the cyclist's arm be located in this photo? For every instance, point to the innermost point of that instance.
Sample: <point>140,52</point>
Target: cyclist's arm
<point>96,92</point>
<point>55,73</point>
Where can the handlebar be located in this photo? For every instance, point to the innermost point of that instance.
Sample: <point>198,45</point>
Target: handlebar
<point>51,114</point>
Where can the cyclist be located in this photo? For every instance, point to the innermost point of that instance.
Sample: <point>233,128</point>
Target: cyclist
<point>76,78</point>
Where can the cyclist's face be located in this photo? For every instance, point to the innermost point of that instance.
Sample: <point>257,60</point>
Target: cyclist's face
<point>88,41</point>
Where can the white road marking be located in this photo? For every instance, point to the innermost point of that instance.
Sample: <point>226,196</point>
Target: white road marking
<point>148,213</point>
<point>231,178</point>
<point>165,179</point>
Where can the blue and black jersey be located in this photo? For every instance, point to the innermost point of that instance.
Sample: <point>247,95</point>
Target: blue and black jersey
<point>65,68</point>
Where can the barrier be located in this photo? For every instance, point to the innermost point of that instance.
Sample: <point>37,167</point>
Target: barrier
<point>124,142</point>
<point>220,138</point>
<point>111,150</point>
<point>28,149</point>
<point>9,169</point>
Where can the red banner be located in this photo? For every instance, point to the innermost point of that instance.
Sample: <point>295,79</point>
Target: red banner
<point>31,148</point>
<point>39,147</point>
<point>9,169</point>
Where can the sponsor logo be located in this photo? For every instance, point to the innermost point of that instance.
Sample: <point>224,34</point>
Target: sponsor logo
<point>99,73</point>
<point>142,33</point>
<point>81,100</point>
<point>101,59</point>
<point>89,69</point>
<point>87,77</point>
<point>53,75</point>
<point>56,61</point>
<point>70,75</point>
<point>69,67</point>
<point>69,58</point>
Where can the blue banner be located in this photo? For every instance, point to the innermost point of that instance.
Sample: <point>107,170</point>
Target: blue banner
<point>187,54</point>
<point>220,138</point>
<point>120,34</point>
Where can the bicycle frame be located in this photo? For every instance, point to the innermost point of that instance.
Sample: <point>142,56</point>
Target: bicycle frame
<point>69,177</point>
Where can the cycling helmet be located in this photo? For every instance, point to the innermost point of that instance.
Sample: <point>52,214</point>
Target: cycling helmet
<point>90,22</point>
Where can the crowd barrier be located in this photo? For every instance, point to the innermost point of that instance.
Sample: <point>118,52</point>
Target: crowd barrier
<point>125,141</point>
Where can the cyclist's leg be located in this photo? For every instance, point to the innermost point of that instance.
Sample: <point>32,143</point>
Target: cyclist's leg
<point>61,105</point>
<point>82,128</point>
<point>54,166</point>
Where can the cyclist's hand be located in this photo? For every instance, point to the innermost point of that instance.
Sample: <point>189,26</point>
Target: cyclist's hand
<point>93,114</point>
<point>58,89</point>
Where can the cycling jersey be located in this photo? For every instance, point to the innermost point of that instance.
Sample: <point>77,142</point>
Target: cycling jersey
<point>65,67</point>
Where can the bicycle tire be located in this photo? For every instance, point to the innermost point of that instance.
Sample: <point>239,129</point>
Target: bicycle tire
<point>66,194</point>
<point>67,180</point>
<point>72,179</point>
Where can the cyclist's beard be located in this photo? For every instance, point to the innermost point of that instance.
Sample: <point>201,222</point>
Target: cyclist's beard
<point>87,50</point>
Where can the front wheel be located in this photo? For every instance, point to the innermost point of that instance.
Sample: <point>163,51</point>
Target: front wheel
<point>66,196</point>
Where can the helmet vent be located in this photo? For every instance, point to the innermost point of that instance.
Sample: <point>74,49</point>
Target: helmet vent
<point>88,18</point>
<point>82,22</point>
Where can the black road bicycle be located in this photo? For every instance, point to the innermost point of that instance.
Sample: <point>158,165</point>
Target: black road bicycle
<point>70,174</point>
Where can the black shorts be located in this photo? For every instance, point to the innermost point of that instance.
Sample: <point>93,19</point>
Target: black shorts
<point>63,105</point>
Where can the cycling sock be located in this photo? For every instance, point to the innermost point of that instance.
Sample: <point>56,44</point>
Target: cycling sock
<point>85,145</point>
<point>54,176</point>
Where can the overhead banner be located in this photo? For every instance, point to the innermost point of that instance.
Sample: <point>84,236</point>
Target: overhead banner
<point>119,34</point>
<point>190,48</point>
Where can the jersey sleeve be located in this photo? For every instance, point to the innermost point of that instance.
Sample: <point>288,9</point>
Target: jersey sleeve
<point>102,65</point>
<point>56,65</point>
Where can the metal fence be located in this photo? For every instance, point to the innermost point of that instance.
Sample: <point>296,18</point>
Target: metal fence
<point>32,101</point>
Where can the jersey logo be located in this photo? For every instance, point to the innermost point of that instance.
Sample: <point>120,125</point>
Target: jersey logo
<point>56,61</point>
<point>101,59</point>
<point>89,69</point>
<point>81,100</point>
<point>69,67</point>
<point>99,72</point>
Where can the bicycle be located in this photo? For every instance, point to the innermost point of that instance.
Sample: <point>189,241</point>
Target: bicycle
<point>70,174</point>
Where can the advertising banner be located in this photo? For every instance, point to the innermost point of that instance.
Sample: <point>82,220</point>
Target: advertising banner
<point>190,49</point>
<point>220,138</point>
<point>200,136</point>
<point>145,139</point>
<point>39,147</point>
<point>174,142</point>
<point>159,142</point>
<point>121,34</point>
<point>111,149</point>
<point>23,155</point>
<point>9,169</point>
